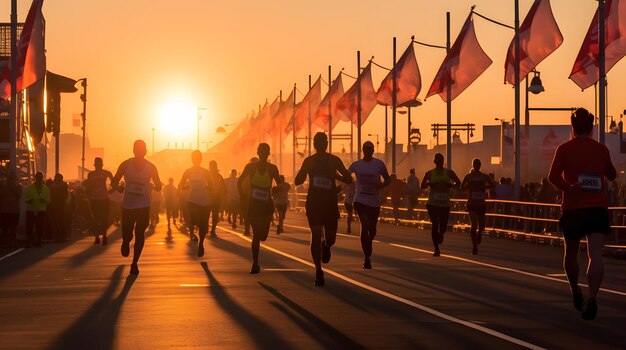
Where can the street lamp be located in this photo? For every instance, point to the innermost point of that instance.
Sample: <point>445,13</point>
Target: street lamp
<point>83,97</point>
<point>535,87</point>
<point>222,129</point>
<point>199,117</point>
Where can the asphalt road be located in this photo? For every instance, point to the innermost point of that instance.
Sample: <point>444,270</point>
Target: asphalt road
<point>79,296</point>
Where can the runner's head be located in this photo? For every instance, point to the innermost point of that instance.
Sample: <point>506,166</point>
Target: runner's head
<point>196,157</point>
<point>582,122</point>
<point>393,176</point>
<point>412,171</point>
<point>281,178</point>
<point>263,151</point>
<point>213,166</point>
<point>368,149</point>
<point>170,181</point>
<point>476,164</point>
<point>97,163</point>
<point>253,160</point>
<point>233,173</point>
<point>320,142</point>
<point>438,160</point>
<point>139,149</point>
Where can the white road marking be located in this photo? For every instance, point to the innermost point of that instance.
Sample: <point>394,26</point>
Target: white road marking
<point>398,298</point>
<point>556,274</point>
<point>284,270</point>
<point>11,254</point>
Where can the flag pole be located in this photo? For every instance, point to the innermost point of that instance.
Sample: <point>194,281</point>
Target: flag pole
<point>330,113</point>
<point>293,133</point>
<point>394,87</point>
<point>13,111</point>
<point>280,135</point>
<point>449,102</point>
<point>358,103</point>
<point>309,108</point>
<point>517,106</point>
<point>386,130</point>
<point>602,68</point>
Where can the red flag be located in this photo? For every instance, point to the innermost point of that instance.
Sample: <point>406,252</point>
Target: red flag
<point>31,56</point>
<point>465,62</point>
<point>408,81</point>
<point>306,108</point>
<point>539,36</point>
<point>321,116</point>
<point>274,106</point>
<point>347,104</point>
<point>282,117</point>
<point>586,70</point>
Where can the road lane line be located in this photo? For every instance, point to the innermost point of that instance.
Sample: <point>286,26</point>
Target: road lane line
<point>402,300</point>
<point>11,254</point>
<point>493,266</point>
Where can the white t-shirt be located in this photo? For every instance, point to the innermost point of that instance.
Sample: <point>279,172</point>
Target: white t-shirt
<point>368,177</point>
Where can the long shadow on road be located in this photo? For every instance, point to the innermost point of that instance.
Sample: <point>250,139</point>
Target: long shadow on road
<point>82,257</point>
<point>95,329</point>
<point>264,336</point>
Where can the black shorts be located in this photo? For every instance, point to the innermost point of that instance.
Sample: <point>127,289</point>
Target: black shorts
<point>322,213</point>
<point>578,223</point>
<point>479,210</point>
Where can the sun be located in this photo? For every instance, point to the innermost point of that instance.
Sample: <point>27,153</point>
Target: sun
<point>178,119</point>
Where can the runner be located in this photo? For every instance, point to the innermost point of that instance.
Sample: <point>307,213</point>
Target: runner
<point>137,173</point>
<point>321,206</point>
<point>170,197</point>
<point>476,184</point>
<point>97,193</point>
<point>244,200</point>
<point>440,180</point>
<point>197,180</point>
<point>280,193</point>
<point>368,172</point>
<point>218,189</point>
<point>412,192</point>
<point>396,193</point>
<point>260,207</point>
<point>579,169</point>
<point>348,201</point>
<point>232,198</point>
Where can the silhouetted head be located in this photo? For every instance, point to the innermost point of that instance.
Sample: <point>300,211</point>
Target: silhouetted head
<point>233,173</point>
<point>412,171</point>
<point>97,163</point>
<point>170,181</point>
<point>263,151</point>
<point>139,149</point>
<point>58,178</point>
<point>253,160</point>
<point>368,149</point>
<point>39,177</point>
<point>503,180</point>
<point>213,166</point>
<point>582,122</point>
<point>196,157</point>
<point>320,142</point>
<point>393,176</point>
<point>438,160</point>
<point>282,178</point>
<point>476,164</point>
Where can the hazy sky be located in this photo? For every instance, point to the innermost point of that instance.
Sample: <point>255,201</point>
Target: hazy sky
<point>229,56</point>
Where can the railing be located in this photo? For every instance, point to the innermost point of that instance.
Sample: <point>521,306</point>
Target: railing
<point>530,221</point>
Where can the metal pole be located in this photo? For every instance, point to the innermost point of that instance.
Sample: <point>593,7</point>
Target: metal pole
<point>84,115</point>
<point>13,111</point>
<point>517,106</point>
<point>408,131</point>
<point>358,103</point>
<point>602,68</point>
<point>280,136</point>
<point>309,108</point>
<point>526,112</point>
<point>449,102</point>
<point>351,142</point>
<point>330,113</point>
<point>394,88</point>
<point>293,133</point>
<point>386,130</point>
<point>198,128</point>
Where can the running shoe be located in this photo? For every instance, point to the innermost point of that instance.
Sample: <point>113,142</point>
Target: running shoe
<point>325,253</point>
<point>134,270</point>
<point>591,310</point>
<point>234,225</point>
<point>213,235</point>
<point>279,229</point>
<point>97,241</point>
<point>319,278</point>
<point>200,250</point>
<point>367,264</point>
<point>349,230</point>
<point>437,252</point>
<point>105,240</point>
<point>255,269</point>
<point>475,250</point>
<point>125,248</point>
<point>579,300</point>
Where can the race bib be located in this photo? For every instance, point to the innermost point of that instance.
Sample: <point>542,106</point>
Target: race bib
<point>260,194</point>
<point>479,196</point>
<point>590,182</point>
<point>135,188</point>
<point>441,196</point>
<point>322,183</point>
<point>367,190</point>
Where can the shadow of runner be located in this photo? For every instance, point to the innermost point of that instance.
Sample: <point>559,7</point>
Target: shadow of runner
<point>264,336</point>
<point>95,329</point>
<point>315,326</point>
<point>94,250</point>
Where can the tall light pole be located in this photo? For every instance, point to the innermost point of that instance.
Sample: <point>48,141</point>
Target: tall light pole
<point>198,125</point>
<point>83,97</point>
<point>153,141</point>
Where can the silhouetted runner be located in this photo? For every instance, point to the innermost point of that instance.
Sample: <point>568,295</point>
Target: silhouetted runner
<point>476,183</point>
<point>280,193</point>
<point>244,199</point>
<point>98,195</point>
<point>348,203</point>
<point>171,202</point>
<point>218,190</point>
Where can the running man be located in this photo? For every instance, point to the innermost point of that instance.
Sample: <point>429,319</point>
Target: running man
<point>260,175</point>
<point>218,189</point>
<point>476,183</point>
<point>368,172</point>
<point>198,182</point>
<point>137,173</point>
<point>98,195</point>
<point>170,197</point>
<point>244,199</point>
<point>348,201</point>
<point>579,169</point>
<point>232,198</point>
<point>440,180</point>
<point>281,201</point>
<point>321,206</point>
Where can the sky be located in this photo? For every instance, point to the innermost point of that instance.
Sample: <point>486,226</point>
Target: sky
<point>144,58</point>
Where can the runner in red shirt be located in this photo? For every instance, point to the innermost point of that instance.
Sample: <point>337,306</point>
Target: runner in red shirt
<point>579,168</point>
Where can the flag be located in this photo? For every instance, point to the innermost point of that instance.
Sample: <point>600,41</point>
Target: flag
<point>306,108</point>
<point>274,106</point>
<point>408,81</point>
<point>539,36</point>
<point>586,70</point>
<point>321,116</point>
<point>463,64</point>
<point>282,117</point>
<point>31,56</point>
<point>347,104</point>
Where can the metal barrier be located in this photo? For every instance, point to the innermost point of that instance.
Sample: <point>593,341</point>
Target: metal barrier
<point>530,221</point>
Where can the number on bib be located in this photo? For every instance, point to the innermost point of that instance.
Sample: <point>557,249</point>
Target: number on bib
<point>322,183</point>
<point>590,182</point>
<point>136,188</point>
<point>260,194</point>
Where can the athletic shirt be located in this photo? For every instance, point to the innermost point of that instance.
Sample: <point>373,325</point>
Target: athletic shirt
<point>199,194</point>
<point>477,184</point>
<point>261,186</point>
<point>439,197</point>
<point>368,175</point>
<point>137,188</point>
<point>98,184</point>
<point>322,186</point>
<point>231,188</point>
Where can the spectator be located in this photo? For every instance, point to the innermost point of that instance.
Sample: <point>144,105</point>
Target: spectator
<point>546,193</point>
<point>58,197</point>
<point>396,192</point>
<point>37,198</point>
<point>10,195</point>
<point>412,192</point>
<point>503,191</point>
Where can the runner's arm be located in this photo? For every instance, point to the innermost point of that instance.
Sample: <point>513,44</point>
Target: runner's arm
<point>426,180</point>
<point>455,179</point>
<point>386,178</point>
<point>611,173</point>
<point>156,179</point>
<point>304,170</point>
<point>345,177</point>
<point>275,174</point>
<point>242,177</point>
<point>465,182</point>
<point>555,176</point>
<point>118,175</point>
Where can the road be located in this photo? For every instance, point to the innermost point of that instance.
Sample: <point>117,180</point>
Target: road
<point>512,296</point>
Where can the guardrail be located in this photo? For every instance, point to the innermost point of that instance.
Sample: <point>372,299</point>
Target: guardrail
<point>531,221</point>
